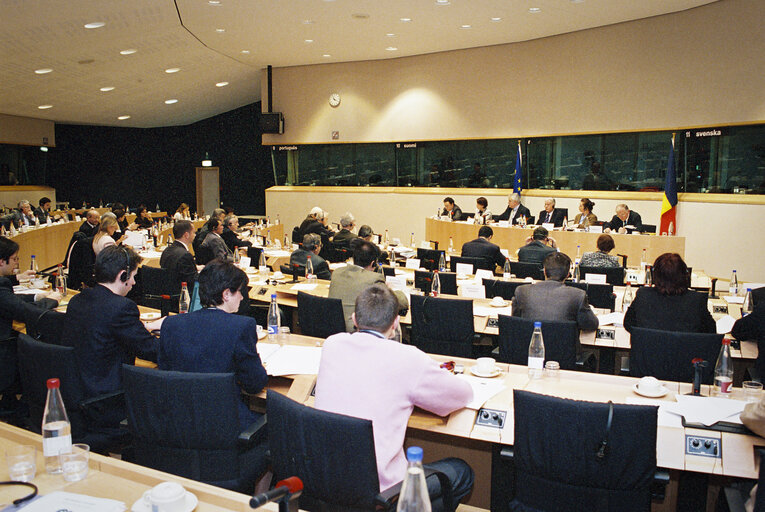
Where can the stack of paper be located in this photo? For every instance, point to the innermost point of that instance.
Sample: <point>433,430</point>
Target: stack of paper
<point>292,360</point>
<point>483,389</point>
<point>71,502</point>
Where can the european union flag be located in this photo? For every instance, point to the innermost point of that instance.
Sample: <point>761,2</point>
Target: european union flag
<point>517,184</point>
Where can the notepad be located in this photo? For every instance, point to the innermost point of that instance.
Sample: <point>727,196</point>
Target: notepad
<point>71,502</point>
<point>293,360</point>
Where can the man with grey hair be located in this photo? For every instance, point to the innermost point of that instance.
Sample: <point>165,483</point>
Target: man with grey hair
<point>345,235</point>
<point>551,214</point>
<point>623,220</point>
<point>310,250</point>
<point>229,235</point>
<point>24,215</point>
<point>515,210</point>
<point>91,224</point>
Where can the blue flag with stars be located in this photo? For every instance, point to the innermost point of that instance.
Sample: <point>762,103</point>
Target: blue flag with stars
<point>517,184</point>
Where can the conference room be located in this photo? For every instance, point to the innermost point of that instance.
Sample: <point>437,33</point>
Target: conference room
<point>559,100</point>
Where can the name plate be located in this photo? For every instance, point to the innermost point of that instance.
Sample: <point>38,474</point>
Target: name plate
<point>595,229</point>
<point>245,261</point>
<point>484,274</point>
<point>606,333</point>
<point>595,278</point>
<point>464,269</point>
<point>396,282</point>
<point>474,291</point>
<point>632,276</point>
<point>504,223</point>
<point>549,226</point>
<point>413,263</point>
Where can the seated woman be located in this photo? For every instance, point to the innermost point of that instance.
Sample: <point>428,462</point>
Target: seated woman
<point>669,305</point>
<point>118,209</point>
<point>105,235</point>
<point>482,213</point>
<point>601,258</point>
<point>142,218</point>
<point>585,218</point>
<point>182,213</point>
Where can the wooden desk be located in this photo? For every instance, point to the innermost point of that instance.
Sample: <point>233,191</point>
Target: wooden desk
<point>113,478</point>
<point>47,243</point>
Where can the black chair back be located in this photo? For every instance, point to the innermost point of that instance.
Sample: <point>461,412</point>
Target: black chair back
<point>475,262</point>
<point>254,254</point>
<point>429,258</point>
<point>560,339</point>
<point>320,317</point>
<point>424,280</point>
<point>289,270</point>
<point>308,443</point>
<point>498,288</point>
<point>442,326</point>
<point>389,271</point>
<point>82,261</point>
<point>648,228</point>
<point>156,282</point>
<point>598,295</point>
<point>297,238</point>
<point>667,355</point>
<point>614,275</point>
<point>203,254</point>
<point>522,270</point>
<point>48,327</point>
<point>562,466</point>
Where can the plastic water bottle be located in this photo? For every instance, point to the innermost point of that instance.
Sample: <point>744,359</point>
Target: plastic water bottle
<point>273,319</point>
<point>435,286</point>
<point>733,290</point>
<point>747,307</point>
<point>184,302</point>
<point>33,266</point>
<point>414,490</point>
<point>451,245</point>
<point>627,300</point>
<point>385,239</point>
<point>578,254</point>
<point>648,275</point>
<point>411,241</point>
<point>56,429</point>
<point>309,269</point>
<point>262,266</point>
<point>577,273</point>
<point>724,371</point>
<point>671,230</point>
<point>442,263</point>
<point>643,260</point>
<point>237,255</point>
<point>506,271</point>
<point>536,353</point>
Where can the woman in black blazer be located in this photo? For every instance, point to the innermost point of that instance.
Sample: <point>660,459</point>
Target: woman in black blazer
<point>669,305</point>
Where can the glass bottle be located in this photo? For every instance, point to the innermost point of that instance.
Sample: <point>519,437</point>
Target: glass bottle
<point>442,263</point>
<point>578,254</point>
<point>536,352</point>
<point>733,290</point>
<point>274,322</point>
<point>309,269</point>
<point>643,260</point>
<point>435,287</point>
<point>577,274</point>
<point>648,275</point>
<point>262,266</point>
<point>506,271</point>
<point>724,371</point>
<point>748,305</point>
<point>33,265</point>
<point>237,255</point>
<point>411,241</point>
<point>451,245</point>
<point>414,495</point>
<point>184,301</point>
<point>56,429</point>
<point>627,300</point>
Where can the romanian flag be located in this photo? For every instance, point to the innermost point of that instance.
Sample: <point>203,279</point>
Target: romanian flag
<point>517,186</point>
<point>669,202</point>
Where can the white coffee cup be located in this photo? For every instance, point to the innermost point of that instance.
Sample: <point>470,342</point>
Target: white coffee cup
<point>498,301</point>
<point>649,385</point>
<point>485,365</point>
<point>166,497</point>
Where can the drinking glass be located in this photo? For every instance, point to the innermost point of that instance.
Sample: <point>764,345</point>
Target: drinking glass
<point>22,462</point>
<point>74,462</point>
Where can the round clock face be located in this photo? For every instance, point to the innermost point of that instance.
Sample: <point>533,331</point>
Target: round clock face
<point>334,99</point>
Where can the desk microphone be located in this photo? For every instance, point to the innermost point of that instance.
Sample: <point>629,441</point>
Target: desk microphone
<point>698,367</point>
<point>285,491</point>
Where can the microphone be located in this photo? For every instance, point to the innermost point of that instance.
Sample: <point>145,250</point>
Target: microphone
<point>287,487</point>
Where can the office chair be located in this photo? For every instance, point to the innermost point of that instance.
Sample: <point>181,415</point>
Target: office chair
<point>475,262</point>
<point>443,326</point>
<point>82,262</point>
<point>523,270</point>
<point>254,254</point>
<point>320,317</point>
<point>667,355</point>
<point>48,327</point>
<point>424,280</point>
<point>561,343</point>
<point>429,258</point>
<point>601,295</point>
<point>498,288</point>
<point>160,288</point>
<point>614,275</point>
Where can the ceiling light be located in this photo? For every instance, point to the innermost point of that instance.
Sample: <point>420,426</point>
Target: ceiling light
<point>360,16</point>
<point>406,19</point>
<point>309,40</point>
<point>129,51</point>
<point>534,10</point>
<point>214,2</point>
<point>172,70</point>
<point>466,26</point>
<point>308,22</point>
<point>122,118</point>
<point>442,2</point>
<point>220,30</point>
<point>95,24</point>
<point>496,19</point>
<point>391,48</point>
<point>107,89</point>
<point>326,55</point>
<point>170,102</point>
<point>390,34</point>
<point>44,107</point>
<point>577,1</point>
<point>246,52</point>
<point>43,71</point>
<point>221,84</point>
<point>44,149</point>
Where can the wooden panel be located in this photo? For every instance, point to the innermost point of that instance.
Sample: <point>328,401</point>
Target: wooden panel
<point>47,243</point>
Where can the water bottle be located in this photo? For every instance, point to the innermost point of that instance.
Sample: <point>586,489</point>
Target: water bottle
<point>414,490</point>
<point>287,244</point>
<point>536,353</point>
<point>438,213</point>
<point>747,307</point>
<point>627,300</point>
<point>442,263</point>
<point>278,220</point>
<point>648,275</point>
<point>451,245</point>
<point>33,266</point>
<point>565,223</point>
<point>309,269</point>
<point>733,284</point>
<point>56,429</point>
<point>268,238</point>
<point>237,256</point>
<point>385,239</point>
<point>643,260</point>
<point>435,287</point>
<point>273,319</point>
<point>578,254</point>
<point>506,272</point>
<point>184,301</point>
<point>262,267</point>
<point>671,230</point>
<point>577,273</point>
<point>724,371</point>
<point>411,241</point>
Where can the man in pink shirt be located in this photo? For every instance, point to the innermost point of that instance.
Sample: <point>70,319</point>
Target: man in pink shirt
<point>367,375</point>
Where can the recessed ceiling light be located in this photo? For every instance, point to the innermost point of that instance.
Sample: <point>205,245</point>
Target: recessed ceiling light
<point>44,107</point>
<point>122,118</point>
<point>326,55</point>
<point>43,71</point>
<point>44,149</point>
<point>496,19</point>
<point>220,30</point>
<point>213,2</point>
<point>309,40</point>
<point>360,16</point>
<point>170,102</point>
<point>246,52</point>
<point>172,70</point>
<point>577,1</point>
<point>221,84</point>
<point>129,51</point>
<point>107,89</point>
<point>466,26</point>
<point>308,22</point>
<point>406,19</point>
<point>95,24</point>
<point>391,48</point>
<point>390,34</point>
<point>534,10</point>
<point>442,2</point>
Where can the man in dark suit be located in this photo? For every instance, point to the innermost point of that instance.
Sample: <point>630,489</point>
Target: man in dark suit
<point>24,215</point>
<point>212,339</point>
<point>104,327</point>
<point>624,219</point>
<point>311,222</point>
<point>515,210</point>
<point>214,244</point>
<point>551,300</point>
<point>311,248</point>
<point>177,258</point>
<point>482,247</point>
<point>230,236</point>
<point>217,213</point>
<point>551,214</point>
<point>345,235</point>
<point>452,210</point>
<point>537,247</point>
<point>91,224</point>
<point>43,211</point>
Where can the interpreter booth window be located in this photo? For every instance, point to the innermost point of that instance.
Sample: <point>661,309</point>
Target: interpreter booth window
<point>337,164</point>
<point>23,165</point>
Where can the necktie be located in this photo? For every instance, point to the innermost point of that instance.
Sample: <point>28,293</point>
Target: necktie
<point>549,214</point>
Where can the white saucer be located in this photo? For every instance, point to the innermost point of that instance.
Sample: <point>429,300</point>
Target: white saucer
<point>496,305</point>
<point>662,391</point>
<point>142,506</point>
<point>152,315</point>
<point>262,334</point>
<point>475,372</point>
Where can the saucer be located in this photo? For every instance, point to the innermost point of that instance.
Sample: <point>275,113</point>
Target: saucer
<point>142,506</point>
<point>262,334</point>
<point>497,305</point>
<point>152,315</point>
<point>475,372</point>
<point>660,393</point>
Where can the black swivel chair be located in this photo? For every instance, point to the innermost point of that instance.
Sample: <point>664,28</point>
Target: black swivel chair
<point>599,295</point>
<point>203,255</point>
<point>160,288</point>
<point>443,326</point>
<point>588,457</point>
<point>614,275</point>
<point>48,327</point>
<point>429,258</point>
<point>424,280</point>
<point>475,262</point>
<point>561,341</point>
<point>187,424</point>
<point>523,270</point>
<point>320,317</point>
<point>82,262</point>
<point>504,289</point>
<point>254,254</point>
<point>289,270</point>
<point>667,355</point>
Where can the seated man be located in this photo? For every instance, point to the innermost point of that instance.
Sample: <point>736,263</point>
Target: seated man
<point>552,300</point>
<point>451,210</point>
<point>212,340</point>
<point>623,219</point>
<point>217,213</point>
<point>482,247</point>
<point>24,215</point>
<point>229,235</point>
<point>43,211</point>
<point>214,244</point>
<point>91,224</point>
<point>177,258</point>
<point>368,376</point>
<point>350,280</point>
<point>309,224</point>
<point>310,249</point>
<point>551,214</point>
<point>515,210</point>
<point>537,247</point>
<point>344,237</point>
<point>104,327</point>
<point>366,233</point>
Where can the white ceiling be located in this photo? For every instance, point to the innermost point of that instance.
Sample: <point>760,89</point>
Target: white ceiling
<point>37,34</point>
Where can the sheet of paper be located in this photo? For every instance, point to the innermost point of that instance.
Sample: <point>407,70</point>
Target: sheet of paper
<point>725,324</point>
<point>739,299</point>
<point>396,283</point>
<point>706,410</point>
<point>483,389</point>
<point>504,223</point>
<point>474,291</point>
<point>492,311</point>
<point>23,290</point>
<point>753,286</point>
<point>245,261</point>
<point>293,360</point>
<point>266,350</point>
<point>71,502</point>
<point>133,239</point>
<point>152,254</point>
<point>413,263</point>
<point>464,269</point>
<point>304,287</point>
<point>276,253</point>
<point>549,226</point>
<point>595,278</point>
<point>483,274</point>
<point>615,318</point>
<point>335,266</point>
<point>665,418</point>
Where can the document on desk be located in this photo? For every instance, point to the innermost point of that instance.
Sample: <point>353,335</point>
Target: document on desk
<point>707,410</point>
<point>133,239</point>
<point>266,350</point>
<point>492,311</point>
<point>71,502</point>
<point>276,253</point>
<point>293,360</point>
<point>665,418</point>
<point>739,299</point>
<point>20,289</point>
<point>305,287</point>
<point>483,389</point>
<point>725,324</point>
<point>615,318</point>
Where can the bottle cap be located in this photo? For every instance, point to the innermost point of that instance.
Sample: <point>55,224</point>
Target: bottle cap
<point>537,324</point>
<point>726,341</point>
<point>183,283</point>
<point>53,383</point>
<point>414,454</point>
<point>273,295</point>
<point>749,289</point>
